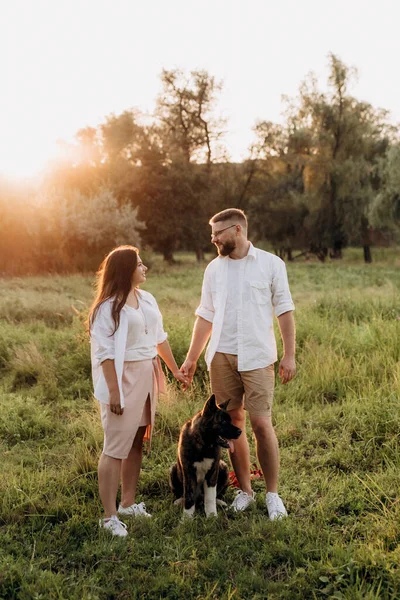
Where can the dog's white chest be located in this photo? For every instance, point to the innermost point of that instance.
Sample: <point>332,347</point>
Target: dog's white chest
<point>202,468</point>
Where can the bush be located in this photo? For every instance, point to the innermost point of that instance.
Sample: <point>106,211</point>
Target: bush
<point>66,231</point>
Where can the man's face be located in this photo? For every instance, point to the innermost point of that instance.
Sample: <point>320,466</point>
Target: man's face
<point>223,235</point>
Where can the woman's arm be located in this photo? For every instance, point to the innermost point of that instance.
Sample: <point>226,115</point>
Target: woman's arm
<point>103,338</point>
<point>110,376</point>
<point>165,352</point>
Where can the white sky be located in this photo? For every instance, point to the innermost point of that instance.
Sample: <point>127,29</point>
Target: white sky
<point>65,64</point>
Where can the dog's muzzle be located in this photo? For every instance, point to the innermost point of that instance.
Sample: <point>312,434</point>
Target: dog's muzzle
<point>227,442</point>
<point>222,442</point>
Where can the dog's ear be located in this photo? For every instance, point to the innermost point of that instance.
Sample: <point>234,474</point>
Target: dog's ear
<point>210,407</point>
<point>224,405</point>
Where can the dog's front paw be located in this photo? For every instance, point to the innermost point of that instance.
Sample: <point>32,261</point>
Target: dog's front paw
<point>178,502</point>
<point>188,513</point>
<point>211,513</point>
<point>221,503</point>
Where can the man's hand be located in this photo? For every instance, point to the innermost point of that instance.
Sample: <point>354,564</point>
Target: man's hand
<point>188,369</point>
<point>287,369</point>
<point>115,403</point>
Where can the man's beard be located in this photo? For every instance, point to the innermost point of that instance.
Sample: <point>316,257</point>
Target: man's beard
<point>226,248</point>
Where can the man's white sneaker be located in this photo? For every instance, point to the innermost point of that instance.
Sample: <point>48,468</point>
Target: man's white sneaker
<point>135,510</point>
<point>114,526</point>
<point>242,501</point>
<point>276,508</point>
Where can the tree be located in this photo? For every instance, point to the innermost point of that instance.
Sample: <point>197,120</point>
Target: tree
<point>185,113</point>
<point>276,192</point>
<point>385,208</point>
<point>188,133</point>
<point>120,136</point>
<point>74,232</point>
<point>347,139</point>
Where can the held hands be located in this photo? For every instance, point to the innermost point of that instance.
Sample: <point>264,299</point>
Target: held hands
<point>181,377</point>
<point>287,369</point>
<point>115,403</point>
<point>188,369</point>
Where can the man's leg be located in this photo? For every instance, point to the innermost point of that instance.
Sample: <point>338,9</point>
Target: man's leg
<point>268,456</point>
<point>226,384</point>
<point>240,458</point>
<point>267,450</point>
<point>259,395</point>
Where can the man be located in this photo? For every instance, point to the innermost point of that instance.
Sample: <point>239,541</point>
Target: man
<point>242,289</point>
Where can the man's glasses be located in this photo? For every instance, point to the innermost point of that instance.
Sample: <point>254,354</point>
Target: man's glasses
<point>217,233</point>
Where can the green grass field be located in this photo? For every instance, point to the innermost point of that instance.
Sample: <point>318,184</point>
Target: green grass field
<point>338,424</point>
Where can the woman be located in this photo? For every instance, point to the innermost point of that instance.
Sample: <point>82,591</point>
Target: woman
<point>126,336</point>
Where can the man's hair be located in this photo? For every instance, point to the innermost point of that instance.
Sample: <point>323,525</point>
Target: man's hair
<point>234,214</point>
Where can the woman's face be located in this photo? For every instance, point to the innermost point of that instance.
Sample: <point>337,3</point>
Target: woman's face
<point>139,274</point>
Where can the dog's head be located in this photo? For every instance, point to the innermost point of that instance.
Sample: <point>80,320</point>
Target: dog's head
<point>219,423</point>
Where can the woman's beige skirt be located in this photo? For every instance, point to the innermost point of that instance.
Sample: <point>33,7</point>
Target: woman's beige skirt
<point>141,382</point>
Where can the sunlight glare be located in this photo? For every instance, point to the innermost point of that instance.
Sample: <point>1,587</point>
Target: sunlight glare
<point>25,160</point>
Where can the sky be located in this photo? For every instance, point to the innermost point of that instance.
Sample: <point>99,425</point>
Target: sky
<point>67,64</point>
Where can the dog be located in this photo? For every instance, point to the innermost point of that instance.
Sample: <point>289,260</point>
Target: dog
<point>199,473</point>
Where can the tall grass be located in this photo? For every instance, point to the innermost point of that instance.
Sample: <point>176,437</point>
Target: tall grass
<point>338,424</point>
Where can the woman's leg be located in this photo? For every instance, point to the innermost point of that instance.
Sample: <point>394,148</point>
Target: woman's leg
<point>109,472</point>
<point>131,468</point>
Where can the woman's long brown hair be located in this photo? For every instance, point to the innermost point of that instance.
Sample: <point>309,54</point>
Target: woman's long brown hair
<point>114,280</point>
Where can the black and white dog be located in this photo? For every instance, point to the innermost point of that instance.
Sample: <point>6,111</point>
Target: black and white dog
<point>199,472</point>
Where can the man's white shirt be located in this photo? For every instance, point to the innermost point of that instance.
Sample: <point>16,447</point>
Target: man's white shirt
<point>240,300</point>
<point>228,342</point>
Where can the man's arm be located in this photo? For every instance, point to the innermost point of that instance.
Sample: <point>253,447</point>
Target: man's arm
<point>287,366</point>
<point>201,333</point>
<point>202,327</point>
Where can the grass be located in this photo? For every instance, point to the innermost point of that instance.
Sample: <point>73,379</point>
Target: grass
<point>338,424</point>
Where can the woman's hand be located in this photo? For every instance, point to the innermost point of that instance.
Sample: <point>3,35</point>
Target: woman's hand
<point>179,376</point>
<point>115,403</point>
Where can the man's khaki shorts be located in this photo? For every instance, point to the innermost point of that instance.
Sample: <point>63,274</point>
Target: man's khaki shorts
<point>254,390</point>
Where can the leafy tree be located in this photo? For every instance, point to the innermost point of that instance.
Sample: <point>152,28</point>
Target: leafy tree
<point>346,138</point>
<point>385,207</point>
<point>177,189</point>
<point>74,232</point>
<point>276,192</point>
<point>184,110</point>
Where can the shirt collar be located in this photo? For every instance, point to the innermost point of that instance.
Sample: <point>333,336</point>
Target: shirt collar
<point>252,253</point>
<point>143,298</point>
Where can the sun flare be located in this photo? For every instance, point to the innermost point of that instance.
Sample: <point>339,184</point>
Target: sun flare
<point>25,160</point>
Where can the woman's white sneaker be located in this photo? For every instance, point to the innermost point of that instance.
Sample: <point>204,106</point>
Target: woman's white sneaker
<point>135,510</point>
<point>114,526</point>
<point>276,508</point>
<point>242,501</point>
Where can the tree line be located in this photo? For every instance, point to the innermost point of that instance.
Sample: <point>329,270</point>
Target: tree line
<point>326,178</point>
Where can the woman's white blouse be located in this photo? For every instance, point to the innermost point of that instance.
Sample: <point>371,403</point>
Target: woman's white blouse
<point>129,342</point>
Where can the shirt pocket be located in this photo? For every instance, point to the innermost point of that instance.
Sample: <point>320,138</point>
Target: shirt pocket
<point>260,292</point>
